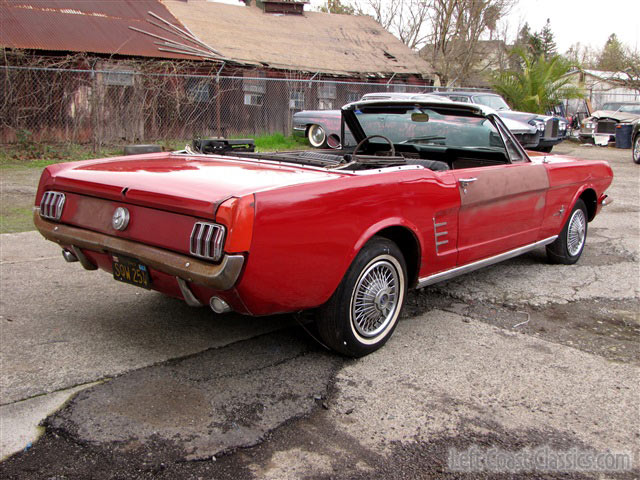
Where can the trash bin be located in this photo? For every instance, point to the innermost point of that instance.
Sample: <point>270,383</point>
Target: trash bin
<point>623,135</point>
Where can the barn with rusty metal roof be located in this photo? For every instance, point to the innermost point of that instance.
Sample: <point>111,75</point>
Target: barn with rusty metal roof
<point>276,35</point>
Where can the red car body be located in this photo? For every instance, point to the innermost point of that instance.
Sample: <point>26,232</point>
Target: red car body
<point>296,229</point>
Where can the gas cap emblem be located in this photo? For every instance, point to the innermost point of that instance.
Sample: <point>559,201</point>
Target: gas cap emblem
<point>120,218</point>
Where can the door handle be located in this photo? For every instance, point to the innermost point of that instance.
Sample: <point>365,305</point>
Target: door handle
<point>464,183</point>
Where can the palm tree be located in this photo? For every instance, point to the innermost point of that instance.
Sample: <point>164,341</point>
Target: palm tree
<point>539,86</point>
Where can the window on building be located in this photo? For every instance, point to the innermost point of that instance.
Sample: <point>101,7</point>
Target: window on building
<point>353,97</point>
<point>198,90</point>
<point>326,96</point>
<point>324,104</point>
<point>296,100</point>
<point>254,86</point>
<point>253,99</point>
<point>118,78</point>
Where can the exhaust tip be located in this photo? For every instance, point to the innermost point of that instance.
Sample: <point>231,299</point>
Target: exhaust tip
<point>69,256</point>
<point>218,305</point>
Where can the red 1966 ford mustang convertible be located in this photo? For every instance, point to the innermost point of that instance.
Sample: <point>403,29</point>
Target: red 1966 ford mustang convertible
<point>431,190</point>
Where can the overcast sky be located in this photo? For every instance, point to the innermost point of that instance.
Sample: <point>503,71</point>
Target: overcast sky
<point>589,22</point>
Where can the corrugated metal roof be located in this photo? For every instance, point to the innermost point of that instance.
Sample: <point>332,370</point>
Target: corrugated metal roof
<point>83,26</point>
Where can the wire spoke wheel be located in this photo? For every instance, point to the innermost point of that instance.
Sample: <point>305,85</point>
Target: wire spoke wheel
<point>567,248</point>
<point>375,298</point>
<point>364,310</point>
<point>576,232</point>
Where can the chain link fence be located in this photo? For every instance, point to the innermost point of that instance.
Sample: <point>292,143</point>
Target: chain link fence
<point>111,107</point>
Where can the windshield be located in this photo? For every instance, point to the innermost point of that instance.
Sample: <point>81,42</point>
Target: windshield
<point>630,108</point>
<point>425,126</point>
<point>611,106</point>
<point>493,101</point>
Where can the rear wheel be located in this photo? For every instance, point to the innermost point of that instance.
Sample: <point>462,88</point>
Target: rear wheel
<point>636,149</point>
<point>363,312</point>
<point>317,136</point>
<point>570,243</point>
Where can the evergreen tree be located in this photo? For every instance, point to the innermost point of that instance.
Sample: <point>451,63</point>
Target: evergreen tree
<point>613,57</point>
<point>547,43</point>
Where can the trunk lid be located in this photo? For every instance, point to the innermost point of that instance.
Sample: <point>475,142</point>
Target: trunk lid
<point>193,185</point>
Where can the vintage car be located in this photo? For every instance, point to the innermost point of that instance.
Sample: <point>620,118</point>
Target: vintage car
<point>601,125</point>
<point>322,127</point>
<point>431,191</point>
<point>552,129</point>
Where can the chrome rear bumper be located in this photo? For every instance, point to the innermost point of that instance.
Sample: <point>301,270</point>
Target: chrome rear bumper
<point>222,276</point>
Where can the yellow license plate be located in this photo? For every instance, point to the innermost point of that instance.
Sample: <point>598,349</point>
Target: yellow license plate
<point>129,270</point>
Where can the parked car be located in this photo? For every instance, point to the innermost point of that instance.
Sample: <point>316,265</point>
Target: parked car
<point>603,122</point>
<point>552,129</point>
<point>432,190</point>
<point>635,141</point>
<point>322,127</point>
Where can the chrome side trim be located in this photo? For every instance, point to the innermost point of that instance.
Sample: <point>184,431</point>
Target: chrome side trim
<point>189,298</point>
<point>470,267</point>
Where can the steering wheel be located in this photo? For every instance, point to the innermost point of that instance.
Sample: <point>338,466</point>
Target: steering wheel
<point>354,157</point>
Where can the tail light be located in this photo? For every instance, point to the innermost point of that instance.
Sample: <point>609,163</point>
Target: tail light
<point>237,214</point>
<point>51,205</point>
<point>207,240</point>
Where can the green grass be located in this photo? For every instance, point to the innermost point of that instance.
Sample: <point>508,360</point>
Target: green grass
<point>39,155</point>
<point>278,142</point>
<point>14,220</point>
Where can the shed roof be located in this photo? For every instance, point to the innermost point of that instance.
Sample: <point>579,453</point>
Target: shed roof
<point>82,26</point>
<point>313,42</point>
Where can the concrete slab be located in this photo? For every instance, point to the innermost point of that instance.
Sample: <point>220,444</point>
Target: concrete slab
<point>62,325</point>
<point>19,421</point>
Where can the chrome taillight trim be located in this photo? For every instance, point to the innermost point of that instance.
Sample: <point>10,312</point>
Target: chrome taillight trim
<point>207,240</point>
<point>52,204</point>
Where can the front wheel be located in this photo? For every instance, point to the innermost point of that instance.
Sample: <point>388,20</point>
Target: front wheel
<point>363,312</point>
<point>636,149</point>
<point>569,245</point>
<point>317,136</point>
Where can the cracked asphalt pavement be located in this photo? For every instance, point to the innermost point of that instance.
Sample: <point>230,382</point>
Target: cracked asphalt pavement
<point>519,355</point>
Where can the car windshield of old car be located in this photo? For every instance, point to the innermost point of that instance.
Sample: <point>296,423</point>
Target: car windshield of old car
<point>493,101</point>
<point>630,109</point>
<point>425,126</point>
<point>611,106</point>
